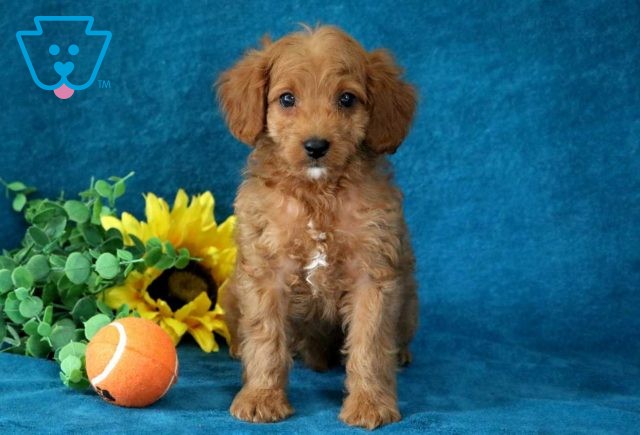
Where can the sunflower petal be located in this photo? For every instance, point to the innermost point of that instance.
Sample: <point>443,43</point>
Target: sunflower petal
<point>181,201</point>
<point>197,307</point>
<point>207,201</point>
<point>217,325</point>
<point>158,219</point>
<point>131,225</point>
<point>204,338</point>
<point>224,238</point>
<point>147,311</point>
<point>115,297</point>
<point>109,222</point>
<point>164,308</point>
<point>154,316</point>
<point>174,328</point>
<point>224,264</point>
<point>149,300</point>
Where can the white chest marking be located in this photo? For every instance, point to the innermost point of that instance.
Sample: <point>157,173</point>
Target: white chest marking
<point>319,257</point>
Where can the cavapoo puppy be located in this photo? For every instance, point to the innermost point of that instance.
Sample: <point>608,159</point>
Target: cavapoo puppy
<point>324,262</point>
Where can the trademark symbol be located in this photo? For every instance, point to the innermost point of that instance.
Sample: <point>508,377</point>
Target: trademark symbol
<point>104,84</point>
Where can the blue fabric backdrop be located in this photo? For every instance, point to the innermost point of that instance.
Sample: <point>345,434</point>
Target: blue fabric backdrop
<point>522,183</point>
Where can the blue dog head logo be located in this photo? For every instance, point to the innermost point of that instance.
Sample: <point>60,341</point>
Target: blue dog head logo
<point>63,54</point>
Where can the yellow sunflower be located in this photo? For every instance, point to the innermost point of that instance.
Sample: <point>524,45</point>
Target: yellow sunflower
<point>180,301</point>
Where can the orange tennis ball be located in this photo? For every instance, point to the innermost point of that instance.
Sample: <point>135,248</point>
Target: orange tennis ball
<point>131,362</point>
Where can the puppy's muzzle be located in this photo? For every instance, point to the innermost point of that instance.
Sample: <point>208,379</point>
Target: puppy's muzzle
<point>316,148</point>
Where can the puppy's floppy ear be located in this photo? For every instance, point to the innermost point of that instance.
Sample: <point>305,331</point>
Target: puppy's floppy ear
<point>392,103</point>
<point>241,94</point>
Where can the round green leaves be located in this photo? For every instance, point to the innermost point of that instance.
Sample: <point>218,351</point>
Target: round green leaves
<point>77,268</point>
<point>107,266</point>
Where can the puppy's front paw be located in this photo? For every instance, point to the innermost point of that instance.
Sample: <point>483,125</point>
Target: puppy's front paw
<point>261,406</point>
<point>369,411</point>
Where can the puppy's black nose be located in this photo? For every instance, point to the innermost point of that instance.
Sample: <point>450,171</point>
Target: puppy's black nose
<point>316,148</point>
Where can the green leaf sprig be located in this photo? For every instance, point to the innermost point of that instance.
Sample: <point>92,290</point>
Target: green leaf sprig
<point>50,286</point>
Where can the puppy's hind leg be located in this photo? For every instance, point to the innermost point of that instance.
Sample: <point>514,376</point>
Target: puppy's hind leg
<point>408,319</point>
<point>407,324</point>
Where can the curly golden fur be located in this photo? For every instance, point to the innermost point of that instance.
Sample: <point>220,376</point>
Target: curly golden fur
<point>324,260</point>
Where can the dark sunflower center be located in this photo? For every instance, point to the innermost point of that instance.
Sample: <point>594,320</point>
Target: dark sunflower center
<point>178,287</point>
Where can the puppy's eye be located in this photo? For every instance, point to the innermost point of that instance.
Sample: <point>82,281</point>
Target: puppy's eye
<point>347,99</point>
<point>287,100</point>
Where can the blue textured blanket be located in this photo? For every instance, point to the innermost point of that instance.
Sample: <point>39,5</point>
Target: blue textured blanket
<point>522,191</point>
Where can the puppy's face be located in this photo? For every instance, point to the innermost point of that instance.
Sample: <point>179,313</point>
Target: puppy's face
<point>316,102</point>
<point>318,95</point>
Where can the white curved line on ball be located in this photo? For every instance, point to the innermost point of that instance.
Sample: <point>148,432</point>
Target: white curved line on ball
<point>115,358</point>
<point>174,376</point>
